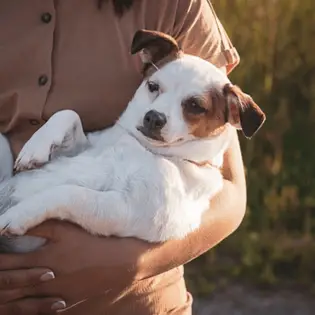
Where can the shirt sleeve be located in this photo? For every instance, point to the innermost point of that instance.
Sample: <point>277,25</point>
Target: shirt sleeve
<point>199,32</point>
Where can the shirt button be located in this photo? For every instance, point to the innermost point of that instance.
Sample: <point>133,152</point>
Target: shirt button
<point>42,80</point>
<point>34,122</point>
<point>46,17</point>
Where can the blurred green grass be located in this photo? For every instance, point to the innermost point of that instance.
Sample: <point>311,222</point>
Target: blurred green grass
<point>275,245</point>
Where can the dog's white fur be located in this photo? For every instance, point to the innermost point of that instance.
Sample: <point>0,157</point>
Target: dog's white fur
<point>117,181</point>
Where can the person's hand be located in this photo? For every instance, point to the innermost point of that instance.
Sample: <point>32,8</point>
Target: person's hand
<point>84,266</point>
<point>13,285</point>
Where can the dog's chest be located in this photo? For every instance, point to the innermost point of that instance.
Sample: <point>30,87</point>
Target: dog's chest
<point>130,165</point>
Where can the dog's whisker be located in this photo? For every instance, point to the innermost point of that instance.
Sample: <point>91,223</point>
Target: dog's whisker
<point>154,65</point>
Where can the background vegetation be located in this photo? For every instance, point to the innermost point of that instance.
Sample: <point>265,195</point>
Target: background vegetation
<point>275,244</point>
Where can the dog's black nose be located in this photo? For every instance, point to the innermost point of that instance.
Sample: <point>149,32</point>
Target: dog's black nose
<point>154,120</point>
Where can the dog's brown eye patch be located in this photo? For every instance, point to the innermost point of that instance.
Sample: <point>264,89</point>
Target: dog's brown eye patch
<point>193,106</point>
<point>204,113</point>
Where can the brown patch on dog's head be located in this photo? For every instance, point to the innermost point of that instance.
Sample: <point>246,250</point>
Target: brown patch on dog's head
<point>208,114</point>
<point>155,48</point>
<point>205,114</point>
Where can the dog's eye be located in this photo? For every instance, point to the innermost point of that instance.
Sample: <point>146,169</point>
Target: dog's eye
<point>153,87</point>
<point>193,106</point>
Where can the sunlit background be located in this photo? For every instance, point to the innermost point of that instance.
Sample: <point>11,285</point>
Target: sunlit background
<point>267,267</point>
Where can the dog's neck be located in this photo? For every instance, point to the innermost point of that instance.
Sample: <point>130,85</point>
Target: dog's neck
<point>201,152</point>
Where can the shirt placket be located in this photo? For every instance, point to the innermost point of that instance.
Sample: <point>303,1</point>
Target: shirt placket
<point>47,18</point>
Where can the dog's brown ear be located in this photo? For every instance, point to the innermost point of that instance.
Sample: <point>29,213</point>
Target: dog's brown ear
<point>154,46</point>
<point>243,113</point>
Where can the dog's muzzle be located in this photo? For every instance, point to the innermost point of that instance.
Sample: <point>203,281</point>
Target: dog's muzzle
<point>153,123</point>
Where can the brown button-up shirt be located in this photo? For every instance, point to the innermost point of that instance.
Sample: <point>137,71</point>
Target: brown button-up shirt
<point>68,54</point>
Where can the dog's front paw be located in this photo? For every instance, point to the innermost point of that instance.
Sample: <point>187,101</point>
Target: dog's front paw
<point>11,225</point>
<point>33,155</point>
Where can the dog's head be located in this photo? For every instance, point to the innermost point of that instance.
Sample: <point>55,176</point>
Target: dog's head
<point>184,98</point>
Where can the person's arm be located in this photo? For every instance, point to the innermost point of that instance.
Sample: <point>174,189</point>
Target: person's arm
<point>199,32</point>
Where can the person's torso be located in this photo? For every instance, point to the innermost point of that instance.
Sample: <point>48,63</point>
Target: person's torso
<point>165,294</point>
<point>69,54</point>
<point>58,55</point>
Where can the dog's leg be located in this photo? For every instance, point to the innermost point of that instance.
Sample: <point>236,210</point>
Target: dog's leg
<point>61,135</point>
<point>19,244</point>
<point>6,159</point>
<point>101,213</point>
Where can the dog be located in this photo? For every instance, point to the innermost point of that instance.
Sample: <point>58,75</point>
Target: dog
<point>151,175</point>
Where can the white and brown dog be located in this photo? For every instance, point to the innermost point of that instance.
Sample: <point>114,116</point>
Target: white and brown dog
<point>149,176</point>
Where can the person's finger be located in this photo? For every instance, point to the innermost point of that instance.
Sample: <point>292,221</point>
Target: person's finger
<point>63,287</point>
<point>13,284</point>
<point>33,307</point>
<point>12,279</point>
<point>93,305</point>
<point>52,229</point>
<point>18,261</point>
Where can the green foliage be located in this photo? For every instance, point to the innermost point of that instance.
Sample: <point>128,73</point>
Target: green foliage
<point>275,244</point>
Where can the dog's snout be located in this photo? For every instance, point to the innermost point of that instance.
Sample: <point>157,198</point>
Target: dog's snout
<point>153,120</point>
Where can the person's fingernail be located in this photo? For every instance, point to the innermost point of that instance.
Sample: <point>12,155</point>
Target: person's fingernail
<point>60,305</point>
<point>47,276</point>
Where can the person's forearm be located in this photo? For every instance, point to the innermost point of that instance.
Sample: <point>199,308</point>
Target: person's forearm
<point>226,213</point>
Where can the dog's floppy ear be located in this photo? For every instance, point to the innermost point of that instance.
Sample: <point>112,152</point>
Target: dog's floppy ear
<point>241,111</point>
<point>154,46</point>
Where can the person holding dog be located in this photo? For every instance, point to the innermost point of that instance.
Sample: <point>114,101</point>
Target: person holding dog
<point>75,54</point>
